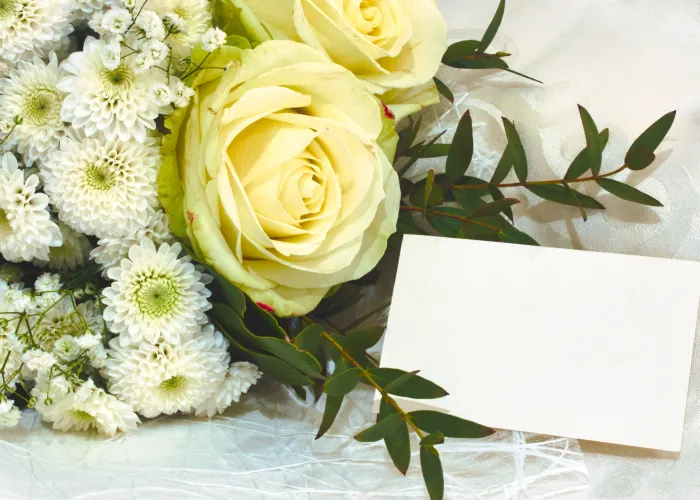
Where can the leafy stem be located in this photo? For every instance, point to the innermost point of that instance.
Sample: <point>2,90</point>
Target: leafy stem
<point>462,218</point>
<point>368,376</point>
<point>537,183</point>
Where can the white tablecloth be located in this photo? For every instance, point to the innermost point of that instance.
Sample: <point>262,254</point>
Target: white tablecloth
<point>628,62</point>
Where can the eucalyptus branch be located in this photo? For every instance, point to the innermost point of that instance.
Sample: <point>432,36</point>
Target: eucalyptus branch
<point>368,376</point>
<point>537,183</point>
<point>462,218</point>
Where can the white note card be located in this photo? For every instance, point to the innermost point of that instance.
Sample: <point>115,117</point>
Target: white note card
<point>560,342</point>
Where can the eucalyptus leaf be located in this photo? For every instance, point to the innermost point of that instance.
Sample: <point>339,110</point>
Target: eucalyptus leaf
<point>459,50</point>
<point>560,194</point>
<point>364,338</point>
<point>330,412</point>
<point>397,383</point>
<point>497,195</point>
<point>261,322</point>
<point>510,234</point>
<point>432,472</point>
<point>649,141</point>
<point>224,291</point>
<point>495,207</point>
<point>431,151</point>
<point>342,383</point>
<point>477,61</point>
<point>626,192</point>
<point>444,90</point>
<point>581,165</point>
<point>449,425</point>
<point>491,31</point>
<point>503,168</point>
<point>593,145</point>
<point>348,295</point>
<point>418,155</point>
<point>309,339</point>
<point>516,150</point>
<point>462,149</point>
<point>380,430</point>
<point>398,443</point>
<point>432,439</point>
<point>416,388</point>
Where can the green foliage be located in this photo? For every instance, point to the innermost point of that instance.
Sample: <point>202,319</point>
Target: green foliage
<point>622,190</point>
<point>460,156</point>
<point>449,425</point>
<point>444,90</point>
<point>381,429</point>
<point>432,472</point>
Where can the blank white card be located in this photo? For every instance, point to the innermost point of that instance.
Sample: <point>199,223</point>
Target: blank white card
<point>561,342</point>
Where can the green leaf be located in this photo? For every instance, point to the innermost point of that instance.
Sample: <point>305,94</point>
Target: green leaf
<point>622,190</point>
<point>330,412</point>
<point>495,207</point>
<point>581,164</point>
<point>418,198</point>
<point>408,135</point>
<point>505,164</point>
<point>309,339</point>
<point>432,151</point>
<point>562,195</point>
<point>466,180</point>
<point>225,292</point>
<point>398,443</point>
<point>348,295</point>
<point>516,150</point>
<point>649,141</point>
<point>449,425</point>
<point>380,430</point>
<point>509,234</point>
<point>493,27</point>
<point>432,472</point>
<point>459,50</point>
<point>477,61</point>
<point>462,149</point>
<point>261,322</point>
<point>593,145</point>
<point>397,383</point>
<point>574,195</point>
<point>428,191</point>
<point>416,388</point>
<point>497,195</point>
<point>432,439</point>
<point>444,90</point>
<point>418,154</point>
<point>235,327</point>
<point>364,338</point>
<point>639,159</point>
<point>342,383</point>
<point>467,200</point>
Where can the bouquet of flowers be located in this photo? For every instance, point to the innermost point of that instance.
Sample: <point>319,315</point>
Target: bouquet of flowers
<point>189,189</point>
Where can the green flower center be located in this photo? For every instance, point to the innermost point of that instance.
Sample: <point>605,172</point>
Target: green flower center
<point>158,297</point>
<point>8,8</point>
<point>41,106</point>
<point>117,80</point>
<point>100,177</point>
<point>83,415</point>
<point>4,221</point>
<point>173,383</point>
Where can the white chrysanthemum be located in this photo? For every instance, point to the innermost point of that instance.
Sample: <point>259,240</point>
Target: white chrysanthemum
<point>73,252</point>
<point>151,24</point>
<point>48,282</point>
<point>167,378</point>
<point>115,101</point>
<point>63,319</point>
<point>239,378</point>
<point>156,295</point>
<point>38,361</point>
<point>84,9</point>
<point>110,251</point>
<point>103,187</point>
<point>91,408</point>
<point>213,39</point>
<point>31,93</point>
<point>9,414</point>
<point>181,93</point>
<point>195,17</point>
<point>26,229</point>
<point>33,27</point>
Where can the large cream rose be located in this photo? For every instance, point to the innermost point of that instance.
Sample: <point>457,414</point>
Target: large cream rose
<point>390,44</point>
<point>284,189</point>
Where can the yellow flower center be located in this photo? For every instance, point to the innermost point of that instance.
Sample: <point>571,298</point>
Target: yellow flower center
<point>173,383</point>
<point>41,106</point>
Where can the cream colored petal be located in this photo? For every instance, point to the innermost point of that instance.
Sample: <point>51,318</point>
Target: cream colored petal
<point>405,102</point>
<point>276,16</point>
<point>288,301</point>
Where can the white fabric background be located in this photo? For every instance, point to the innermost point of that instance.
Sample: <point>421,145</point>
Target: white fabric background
<point>628,62</point>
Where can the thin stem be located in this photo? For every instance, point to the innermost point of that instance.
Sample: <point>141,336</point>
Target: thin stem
<point>537,183</point>
<point>364,318</point>
<point>199,66</point>
<point>368,376</point>
<point>340,331</point>
<point>451,216</point>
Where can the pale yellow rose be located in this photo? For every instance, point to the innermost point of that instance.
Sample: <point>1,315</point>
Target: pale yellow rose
<point>286,191</point>
<point>389,44</point>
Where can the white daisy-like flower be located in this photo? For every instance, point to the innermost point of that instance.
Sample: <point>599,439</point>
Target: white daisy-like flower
<point>103,187</point>
<point>48,282</point>
<point>49,388</point>
<point>31,92</point>
<point>26,229</point>
<point>66,349</point>
<point>116,20</point>
<point>64,319</point>
<point>156,295</point>
<point>162,94</point>
<point>91,408</point>
<point>37,360</point>
<point>33,27</point>
<point>167,378</point>
<point>156,50</point>
<point>110,251</point>
<point>84,9</point>
<point>192,18</point>
<point>10,415</point>
<point>73,252</point>
<point>213,39</point>
<point>151,24</point>
<point>115,101</point>
<point>239,378</point>
<point>181,93</point>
